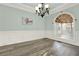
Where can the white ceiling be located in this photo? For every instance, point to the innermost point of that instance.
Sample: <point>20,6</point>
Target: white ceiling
<point>52,5</point>
<point>30,7</point>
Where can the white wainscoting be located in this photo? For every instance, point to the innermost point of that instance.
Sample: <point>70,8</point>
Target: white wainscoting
<point>75,41</point>
<point>11,37</point>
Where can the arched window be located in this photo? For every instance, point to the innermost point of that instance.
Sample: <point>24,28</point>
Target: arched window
<point>64,25</point>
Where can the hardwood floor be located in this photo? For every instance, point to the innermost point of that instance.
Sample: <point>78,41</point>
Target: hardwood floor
<point>40,47</point>
<point>64,49</point>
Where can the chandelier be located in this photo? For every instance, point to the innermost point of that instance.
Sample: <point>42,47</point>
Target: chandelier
<point>42,9</point>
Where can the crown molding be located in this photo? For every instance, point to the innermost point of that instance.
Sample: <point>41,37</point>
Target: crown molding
<point>30,9</point>
<point>20,6</point>
<point>61,8</point>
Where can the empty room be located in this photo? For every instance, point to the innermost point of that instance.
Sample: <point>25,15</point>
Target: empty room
<point>39,29</point>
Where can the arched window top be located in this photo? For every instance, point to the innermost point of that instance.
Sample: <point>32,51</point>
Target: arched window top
<point>64,18</point>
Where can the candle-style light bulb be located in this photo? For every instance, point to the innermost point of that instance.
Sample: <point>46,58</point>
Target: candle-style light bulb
<point>36,8</point>
<point>39,5</point>
<point>46,6</point>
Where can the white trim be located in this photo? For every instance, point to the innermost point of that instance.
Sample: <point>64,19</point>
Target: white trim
<point>20,7</point>
<point>27,8</point>
<point>12,37</point>
<point>50,34</point>
<point>62,7</point>
<point>73,21</point>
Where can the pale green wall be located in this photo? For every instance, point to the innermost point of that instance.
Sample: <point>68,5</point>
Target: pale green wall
<point>49,22</point>
<point>73,10</point>
<point>10,20</point>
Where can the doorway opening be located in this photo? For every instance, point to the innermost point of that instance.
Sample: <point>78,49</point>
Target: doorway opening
<point>65,26</point>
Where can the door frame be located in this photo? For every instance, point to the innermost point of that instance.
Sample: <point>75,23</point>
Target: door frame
<point>55,30</point>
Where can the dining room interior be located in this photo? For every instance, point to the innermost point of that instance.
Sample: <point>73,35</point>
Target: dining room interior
<point>39,29</point>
